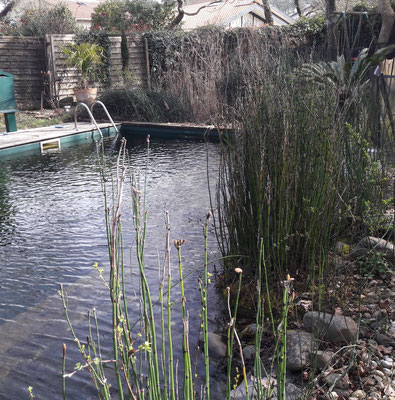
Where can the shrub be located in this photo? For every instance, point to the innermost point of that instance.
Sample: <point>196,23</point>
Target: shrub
<point>7,28</point>
<point>42,21</point>
<point>131,16</point>
<point>141,105</point>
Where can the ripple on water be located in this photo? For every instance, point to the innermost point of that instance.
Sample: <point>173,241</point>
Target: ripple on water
<point>52,231</point>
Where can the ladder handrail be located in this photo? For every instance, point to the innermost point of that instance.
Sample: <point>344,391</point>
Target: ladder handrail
<point>90,115</point>
<point>106,111</point>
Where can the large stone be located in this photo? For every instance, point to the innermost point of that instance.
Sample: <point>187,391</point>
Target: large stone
<point>292,392</point>
<point>320,358</point>
<point>217,349</point>
<point>371,243</point>
<point>384,340</point>
<point>334,328</point>
<point>338,381</point>
<point>299,346</point>
<point>249,353</point>
<point>240,392</point>
<point>248,332</point>
<point>342,249</point>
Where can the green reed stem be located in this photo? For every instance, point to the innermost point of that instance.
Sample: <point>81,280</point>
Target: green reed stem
<point>282,362</point>
<point>259,328</point>
<point>64,372</point>
<point>205,314</point>
<point>169,305</point>
<point>231,331</point>
<point>188,381</point>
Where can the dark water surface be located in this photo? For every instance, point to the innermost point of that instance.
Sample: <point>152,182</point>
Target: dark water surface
<point>52,231</point>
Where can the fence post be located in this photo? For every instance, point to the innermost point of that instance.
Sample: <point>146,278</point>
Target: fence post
<point>51,69</point>
<point>147,63</point>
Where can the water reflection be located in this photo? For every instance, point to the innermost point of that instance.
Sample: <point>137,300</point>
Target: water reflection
<point>52,231</point>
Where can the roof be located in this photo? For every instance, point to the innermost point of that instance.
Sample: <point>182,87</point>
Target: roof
<point>223,12</point>
<point>79,9</point>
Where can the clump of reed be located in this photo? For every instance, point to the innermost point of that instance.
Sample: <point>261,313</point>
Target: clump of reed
<point>297,171</point>
<point>142,343</point>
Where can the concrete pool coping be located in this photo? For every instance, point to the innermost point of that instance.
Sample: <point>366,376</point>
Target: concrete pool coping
<point>29,136</point>
<point>31,140</point>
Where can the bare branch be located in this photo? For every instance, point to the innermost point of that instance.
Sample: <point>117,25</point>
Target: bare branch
<point>181,12</point>
<point>387,18</point>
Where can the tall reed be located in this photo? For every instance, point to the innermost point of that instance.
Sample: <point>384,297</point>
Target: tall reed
<point>139,377</point>
<point>288,171</point>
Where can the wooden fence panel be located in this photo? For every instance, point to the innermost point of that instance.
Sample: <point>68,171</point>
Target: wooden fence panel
<point>38,65</point>
<point>24,58</point>
<point>63,78</point>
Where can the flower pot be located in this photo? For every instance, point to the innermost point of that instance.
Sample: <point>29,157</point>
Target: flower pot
<point>85,95</point>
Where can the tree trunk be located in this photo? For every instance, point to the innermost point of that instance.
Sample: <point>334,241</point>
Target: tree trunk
<point>387,22</point>
<point>330,8</point>
<point>297,6</point>
<point>268,12</point>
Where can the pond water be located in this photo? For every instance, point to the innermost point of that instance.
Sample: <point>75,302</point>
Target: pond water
<point>52,231</point>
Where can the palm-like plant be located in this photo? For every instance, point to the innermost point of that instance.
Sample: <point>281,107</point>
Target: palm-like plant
<point>84,57</point>
<point>350,79</point>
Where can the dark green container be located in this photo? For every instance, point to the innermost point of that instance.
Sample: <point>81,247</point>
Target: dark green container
<point>7,100</point>
<point>7,92</point>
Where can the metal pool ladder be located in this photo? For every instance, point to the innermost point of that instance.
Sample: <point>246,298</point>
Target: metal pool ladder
<point>93,121</point>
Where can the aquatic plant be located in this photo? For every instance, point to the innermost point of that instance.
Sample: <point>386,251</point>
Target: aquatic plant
<point>296,173</point>
<point>143,355</point>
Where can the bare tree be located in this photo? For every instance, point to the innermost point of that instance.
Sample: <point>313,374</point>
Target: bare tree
<point>297,6</point>
<point>181,12</point>
<point>268,12</point>
<point>387,21</point>
<point>330,8</point>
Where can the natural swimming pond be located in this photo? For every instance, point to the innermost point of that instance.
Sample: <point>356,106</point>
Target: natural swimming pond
<point>52,230</point>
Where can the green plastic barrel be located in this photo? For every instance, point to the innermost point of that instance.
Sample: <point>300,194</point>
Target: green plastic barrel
<point>7,92</point>
<point>7,100</point>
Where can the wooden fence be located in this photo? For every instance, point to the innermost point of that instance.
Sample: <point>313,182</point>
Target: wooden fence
<point>24,57</point>
<point>62,79</point>
<point>40,72</point>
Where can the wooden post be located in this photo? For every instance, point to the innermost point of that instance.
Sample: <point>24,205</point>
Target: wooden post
<point>147,63</point>
<point>53,61</point>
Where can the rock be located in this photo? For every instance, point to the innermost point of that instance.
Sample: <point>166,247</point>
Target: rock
<point>249,353</point>
<point>248,332</point>
<point>359,394</point>
<point>216,347</point>
<point>322,358</point>
<point>379,314</point>
<point>240,392</point>
<point>374,396</point>
<point>380,374</point>
<point>386,364</point>
<point>384,340</point>
<point>299,346</point>
<point>374,325</point>
<point>341,248</point>
<point>339,381</point>
<point>371,243</point>
<point>334,328</point>
<point>292,392</point>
